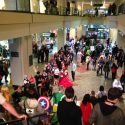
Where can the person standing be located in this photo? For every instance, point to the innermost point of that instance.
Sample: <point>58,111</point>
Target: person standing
<point>68,112</point>
<point>114,71</point>
<point>79,55</point>
<point>122,80</point>
<point>93,98</point>
<point>42,53</point>
<point>88,58</point>
<point>101,94</point>
<point>86,108</point>
<point>57,97</point>
<point>106,69</point>
<point>108,113</point>
<point>64,78</point>
<point>116,83</point>
<point>46,54</point>
<point>73,69</point>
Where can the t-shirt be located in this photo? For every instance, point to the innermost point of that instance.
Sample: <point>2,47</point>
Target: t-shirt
<point>69,113</point>
<point>2,99</point>
<point>57,97</point>
<point>56,71</point>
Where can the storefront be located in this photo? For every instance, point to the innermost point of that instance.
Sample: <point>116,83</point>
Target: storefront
<point>98,31</point>
<point>4,50</point>
<point>44,39</point>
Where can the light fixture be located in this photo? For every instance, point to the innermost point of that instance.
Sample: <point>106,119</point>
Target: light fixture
<point>91,3</point>
<point>104,4</point>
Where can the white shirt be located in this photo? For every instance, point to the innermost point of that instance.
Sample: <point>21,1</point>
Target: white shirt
<point>56,71</point>
<point>2,99</point>
<point>117,84</point>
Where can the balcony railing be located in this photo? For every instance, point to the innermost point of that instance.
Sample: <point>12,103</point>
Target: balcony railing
<point>29,120</point>
<point>121,9</point>
<point>28,6</point>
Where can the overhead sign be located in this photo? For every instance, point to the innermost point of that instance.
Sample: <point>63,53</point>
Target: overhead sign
<point>14,54</point>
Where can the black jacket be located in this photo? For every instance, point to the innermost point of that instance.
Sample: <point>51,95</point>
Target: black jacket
<point>69,113</point>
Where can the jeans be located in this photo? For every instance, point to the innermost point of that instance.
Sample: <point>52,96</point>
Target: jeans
<point>73,75</point>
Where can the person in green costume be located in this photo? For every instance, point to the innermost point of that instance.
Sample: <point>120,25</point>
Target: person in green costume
<point>57,97</point>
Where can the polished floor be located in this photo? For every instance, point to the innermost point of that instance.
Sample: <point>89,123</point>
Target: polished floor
<point>86,81</point>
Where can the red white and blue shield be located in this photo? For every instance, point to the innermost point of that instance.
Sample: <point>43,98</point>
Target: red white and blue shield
<point>44,102</point>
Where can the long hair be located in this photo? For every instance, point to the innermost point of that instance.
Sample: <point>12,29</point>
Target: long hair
<point>86,99</point>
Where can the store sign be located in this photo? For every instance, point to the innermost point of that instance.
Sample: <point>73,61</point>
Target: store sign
<point>92,48</point>
<point>14,54</point>
<point>46,34</point>
<point>92,29</point>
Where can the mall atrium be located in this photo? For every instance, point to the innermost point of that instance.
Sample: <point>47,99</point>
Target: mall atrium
<point>55,26</point>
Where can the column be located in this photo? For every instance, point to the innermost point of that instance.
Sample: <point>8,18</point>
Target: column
<point>72,33</point>
<point>113,35</point>
<point>79,31</point>
<point>72,7</point>
<point>61,6</point>
<point>61,37</point>
<point>21,58</point>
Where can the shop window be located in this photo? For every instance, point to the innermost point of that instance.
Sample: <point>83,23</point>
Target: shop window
<point>23,5</point>
<point>34,4</point>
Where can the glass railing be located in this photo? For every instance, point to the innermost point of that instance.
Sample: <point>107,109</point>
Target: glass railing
<point>37,6</point>
<point>15,5</point>
<point>121,8</point>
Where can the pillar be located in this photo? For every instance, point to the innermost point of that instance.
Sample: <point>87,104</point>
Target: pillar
<point>72,6</point>
<point>61,6</point>
<point>61,36</point>
<point>113,35</point>
<point>72,33</point>
<point>79,31</point>
<point>21,58</point>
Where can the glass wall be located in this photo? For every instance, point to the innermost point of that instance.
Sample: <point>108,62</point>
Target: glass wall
<point>15,5</point>
<point>10,5</point>
<point>35,7</point>
<point>23,5</point>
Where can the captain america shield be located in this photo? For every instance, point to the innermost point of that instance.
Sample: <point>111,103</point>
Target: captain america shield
<point>44,102</point>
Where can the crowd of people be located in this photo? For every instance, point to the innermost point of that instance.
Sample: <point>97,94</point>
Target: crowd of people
<point>95,107</point>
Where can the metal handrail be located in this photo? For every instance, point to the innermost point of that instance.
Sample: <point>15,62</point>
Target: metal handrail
<point>18,120</point>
